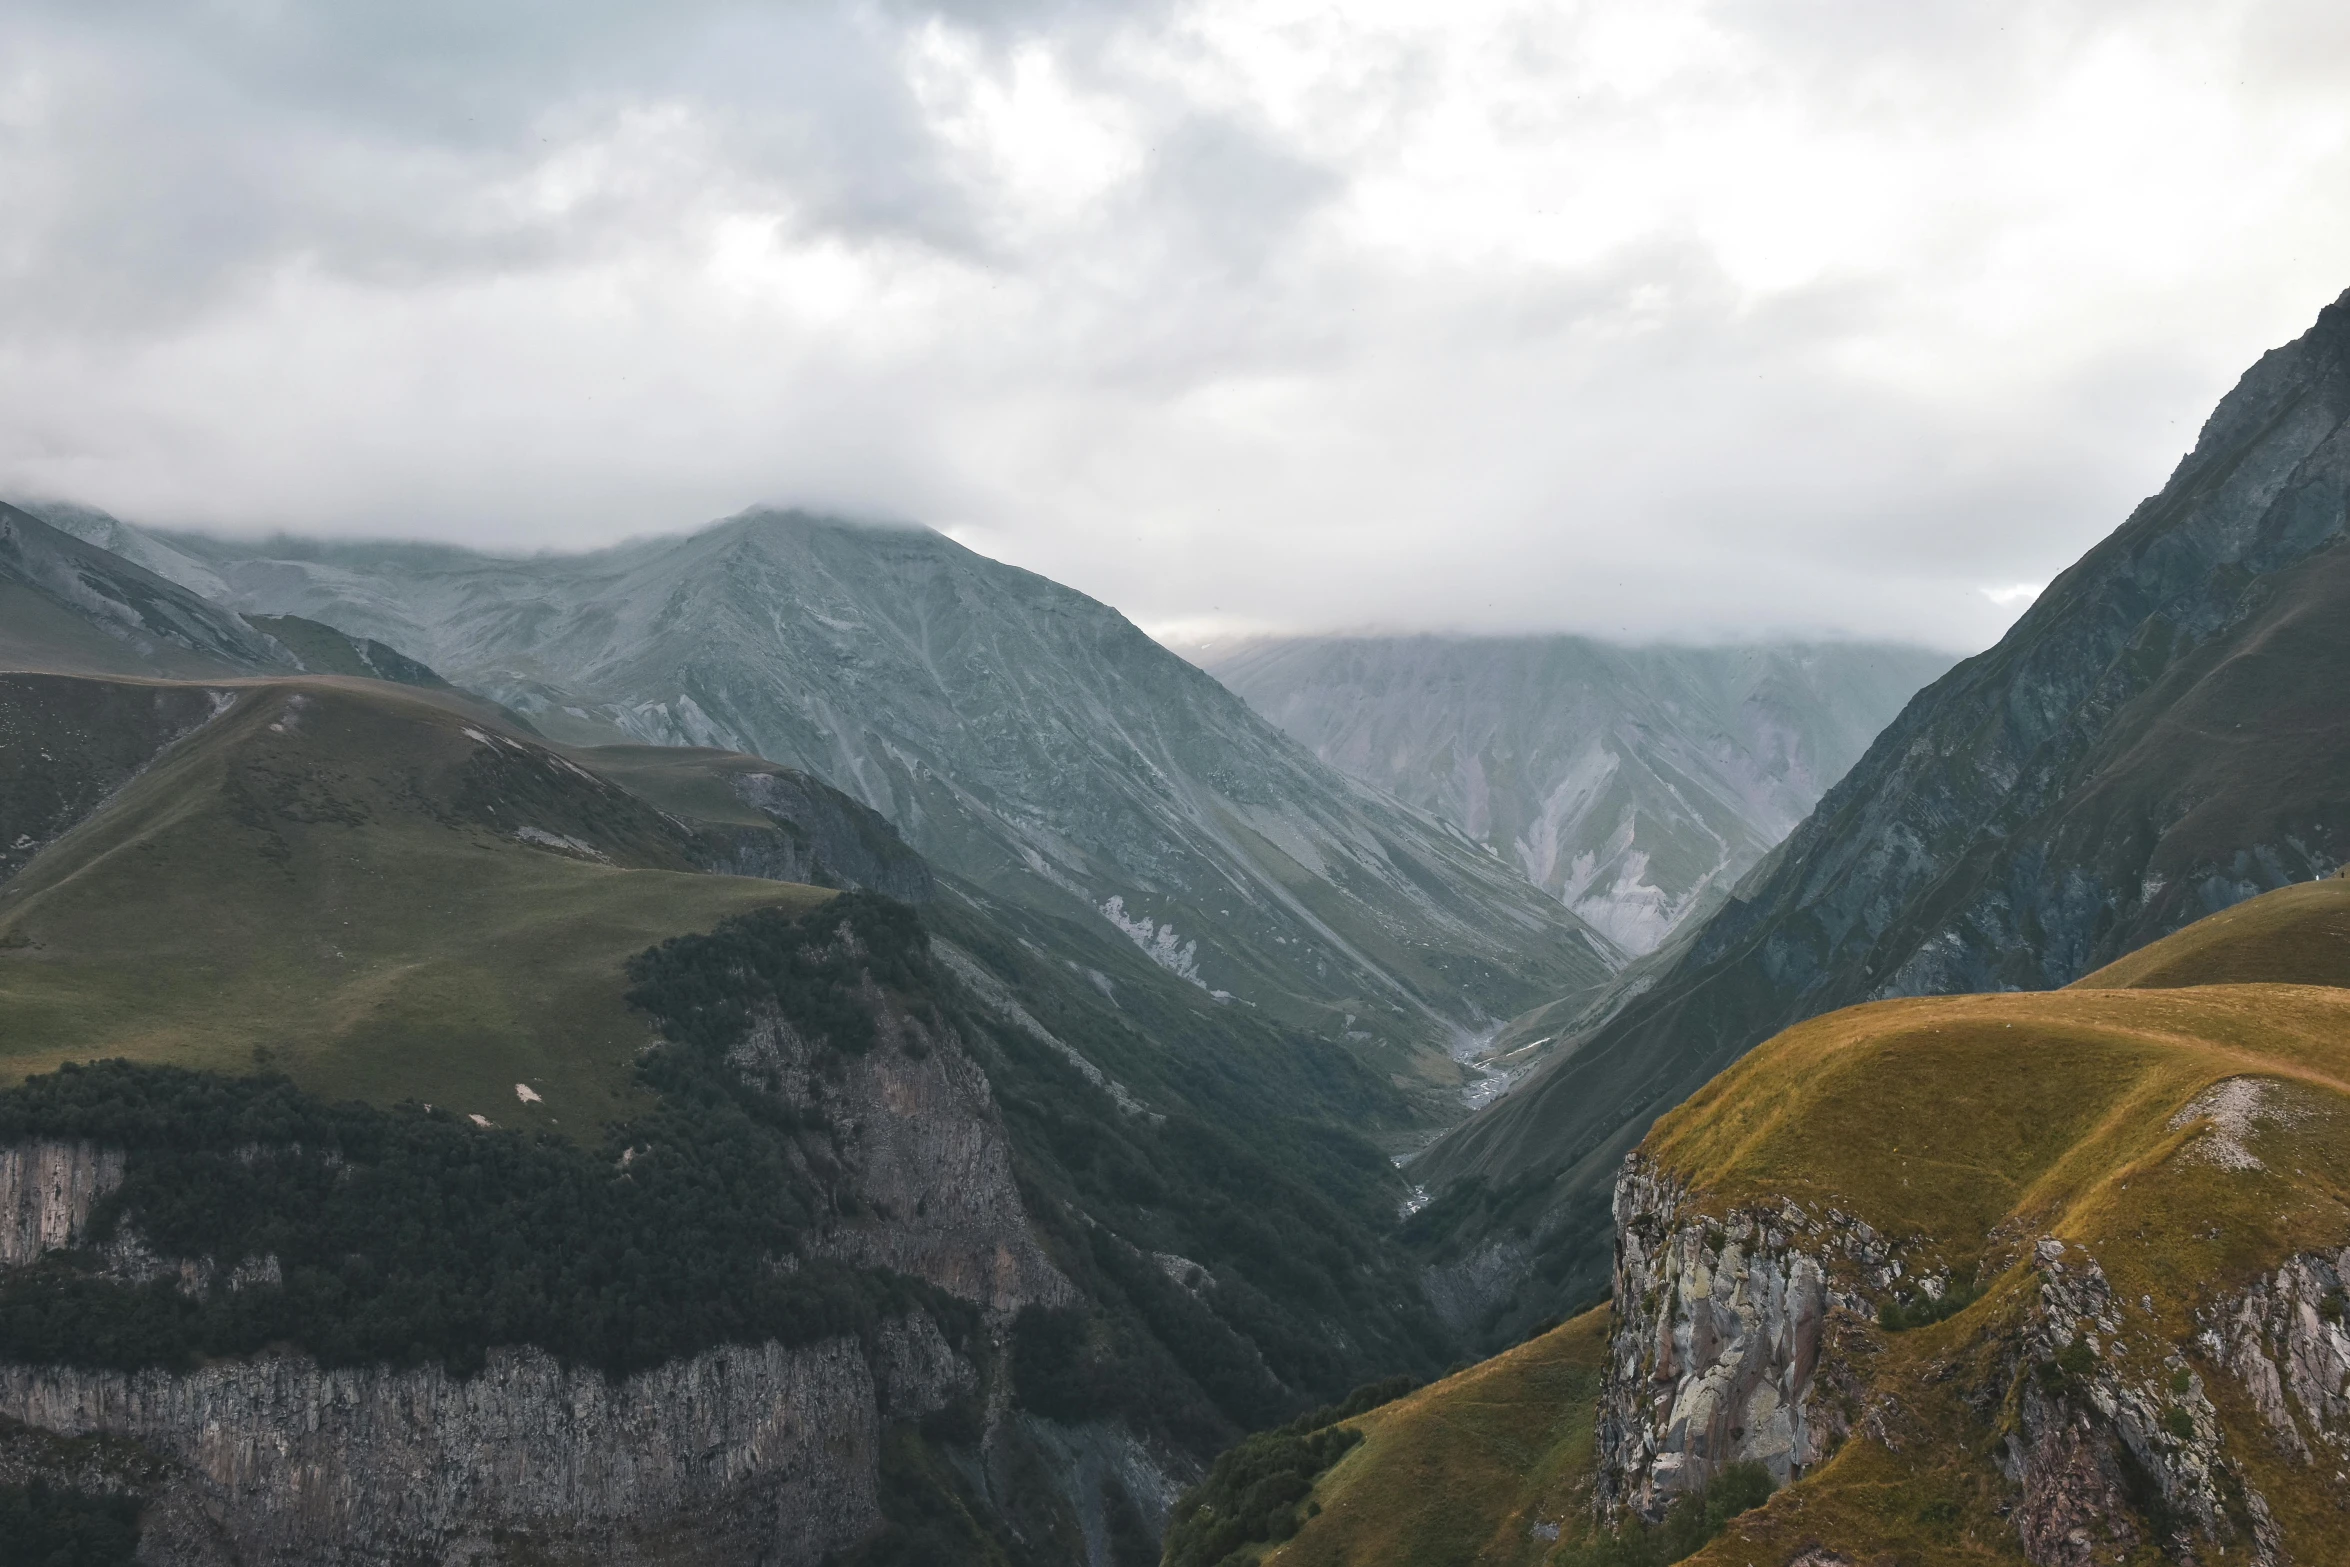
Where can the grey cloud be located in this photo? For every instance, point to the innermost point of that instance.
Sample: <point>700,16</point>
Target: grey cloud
<point>165,154</point>
<point>1201,393</point>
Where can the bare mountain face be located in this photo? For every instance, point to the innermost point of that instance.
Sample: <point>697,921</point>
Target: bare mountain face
<point>2162,735</point>
<point>1022,736</point>
<point>1635,785</point>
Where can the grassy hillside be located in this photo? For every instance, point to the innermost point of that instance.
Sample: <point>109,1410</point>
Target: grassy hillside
<point>1488,1468</point>
<point>2297,935</point>
<point>383,898</point>
<point>2181,1119</point>
<point>1968,1125</point>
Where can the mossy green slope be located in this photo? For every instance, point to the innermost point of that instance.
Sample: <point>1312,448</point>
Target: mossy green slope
<point>377,892</point>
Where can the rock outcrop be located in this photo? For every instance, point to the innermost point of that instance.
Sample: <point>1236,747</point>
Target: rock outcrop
<point>746,1454</point>
<point>47,1186</point>
<point>2107,1447</point>
<point>922,1153</point>
<point>1746,1337</point>
<point>2286,1341</point>
<point>1716,1350</point>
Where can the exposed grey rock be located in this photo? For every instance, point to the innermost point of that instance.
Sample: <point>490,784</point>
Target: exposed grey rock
<point>1716,1349</point>
<point>2284,1341</point>
<point>1744,1338</point>
<point>922,1147</point>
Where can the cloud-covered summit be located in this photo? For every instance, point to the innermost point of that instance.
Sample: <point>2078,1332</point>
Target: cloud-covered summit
<point>1672,318</point>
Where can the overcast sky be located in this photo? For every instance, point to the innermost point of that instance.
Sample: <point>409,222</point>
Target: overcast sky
<point>1646,319</point>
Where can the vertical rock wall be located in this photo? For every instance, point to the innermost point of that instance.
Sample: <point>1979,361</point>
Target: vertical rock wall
<point>1716,1347</point>
<point>747,1454</point>
<point>46,1188</point>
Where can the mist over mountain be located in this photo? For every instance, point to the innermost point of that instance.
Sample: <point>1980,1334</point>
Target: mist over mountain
<point>1633,784</point>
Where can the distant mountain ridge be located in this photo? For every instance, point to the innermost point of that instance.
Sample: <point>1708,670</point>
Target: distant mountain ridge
<point>2161,735</point>
<point>1021,735</point>
<point>1634,784</point>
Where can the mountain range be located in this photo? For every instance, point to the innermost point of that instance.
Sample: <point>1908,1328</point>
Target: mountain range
<point>800,1043</point>
<point>1633,784</point>
<point>1022,737</point>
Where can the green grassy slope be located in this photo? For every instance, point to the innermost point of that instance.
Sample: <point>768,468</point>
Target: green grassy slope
<point>329,876</point>
<point>1972,1123</point>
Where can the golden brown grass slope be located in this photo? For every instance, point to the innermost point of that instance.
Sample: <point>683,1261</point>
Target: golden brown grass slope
<point>1466,1471</point>
<point>1964,1128</point>
<point>2297,935</point>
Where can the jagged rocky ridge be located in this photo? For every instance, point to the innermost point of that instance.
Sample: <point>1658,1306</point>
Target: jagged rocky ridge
<point>2159,736</point>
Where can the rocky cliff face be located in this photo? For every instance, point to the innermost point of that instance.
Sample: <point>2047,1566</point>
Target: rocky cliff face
<point>1752,1336</point>
<point>46,1188</point>
<point>1715,1357</point>
<point>745,1454</point>
<point>748,1453</point>
<point>921,1152</point>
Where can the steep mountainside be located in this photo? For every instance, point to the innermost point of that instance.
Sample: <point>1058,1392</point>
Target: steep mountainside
<point>1020,735</point>
<point>1635,785</point>
<point>453,1095</point>
<point>2055,1278</point>
<point>2160,736</point>
<point>71,607</point>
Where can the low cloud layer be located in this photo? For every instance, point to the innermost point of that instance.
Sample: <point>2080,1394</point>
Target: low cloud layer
<point>1644,319</point>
